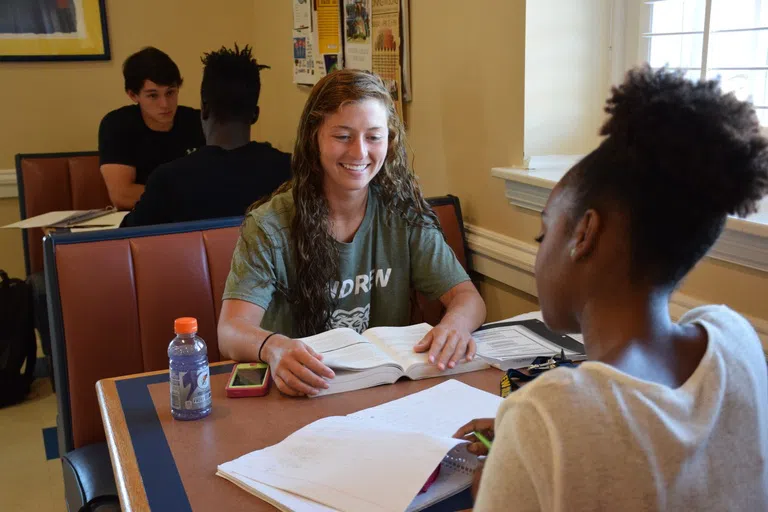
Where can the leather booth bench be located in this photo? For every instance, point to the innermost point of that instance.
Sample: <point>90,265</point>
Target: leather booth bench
<point>112,298</point>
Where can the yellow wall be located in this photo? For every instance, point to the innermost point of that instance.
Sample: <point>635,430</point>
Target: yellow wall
<point>11,253</point>
<point>565,39</point>
<point>57,106</point>
<point>468,74</point>
<point>467,113</point>
<point>468,70</point>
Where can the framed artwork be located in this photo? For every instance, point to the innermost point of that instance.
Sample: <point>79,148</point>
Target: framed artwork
<point>53,30</point>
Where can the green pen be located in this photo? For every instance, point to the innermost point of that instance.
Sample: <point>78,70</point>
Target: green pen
<point>480,437</point>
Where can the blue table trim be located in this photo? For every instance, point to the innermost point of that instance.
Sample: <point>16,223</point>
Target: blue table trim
<point>162,482</point>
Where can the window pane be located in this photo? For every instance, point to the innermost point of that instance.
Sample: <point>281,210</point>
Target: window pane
<point>747,85</point>
<point>730,14</point>
<point>762,115</point>
<point>676,51</point>
<point>677,16</point>
<point>738,49</point>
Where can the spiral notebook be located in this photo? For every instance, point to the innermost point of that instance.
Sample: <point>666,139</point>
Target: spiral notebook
<point>356,462</point>
<point>456,473</point>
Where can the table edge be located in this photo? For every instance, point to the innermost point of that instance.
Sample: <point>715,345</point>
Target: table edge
<point>130,485</point>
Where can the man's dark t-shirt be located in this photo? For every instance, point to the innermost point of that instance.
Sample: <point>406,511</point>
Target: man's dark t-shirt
<point>210,183</point>
<point>125,139</point>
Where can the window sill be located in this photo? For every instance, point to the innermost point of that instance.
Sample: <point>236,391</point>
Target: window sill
<point>743,242</point>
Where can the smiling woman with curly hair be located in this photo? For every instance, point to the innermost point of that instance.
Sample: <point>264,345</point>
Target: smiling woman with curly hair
<point>342,244</point>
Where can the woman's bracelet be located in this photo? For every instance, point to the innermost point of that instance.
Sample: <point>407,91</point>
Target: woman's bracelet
<point>264,343</point>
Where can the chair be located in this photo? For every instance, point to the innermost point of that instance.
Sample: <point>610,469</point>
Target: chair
<point>112,299</point>
<point>448,211</point>
<point>56,181</point>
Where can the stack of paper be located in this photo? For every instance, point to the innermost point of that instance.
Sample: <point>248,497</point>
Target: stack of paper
<point>376,459</point>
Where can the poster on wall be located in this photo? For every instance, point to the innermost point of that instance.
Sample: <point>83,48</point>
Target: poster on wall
<point>329,34</point>
<point>357,34</point>
<point>53,30</point>
<point>385,26</point>
<point>317,39</point>
<point>372,35</point>
<point>303,54</point>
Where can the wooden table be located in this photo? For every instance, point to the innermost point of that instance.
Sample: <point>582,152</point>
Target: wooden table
<point>162,464</point>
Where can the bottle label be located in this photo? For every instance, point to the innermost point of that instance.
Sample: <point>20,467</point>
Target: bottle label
<point>190,390</point>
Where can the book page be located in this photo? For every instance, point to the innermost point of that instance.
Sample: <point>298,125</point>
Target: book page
<point>398,342</point>
<point>345,349</point>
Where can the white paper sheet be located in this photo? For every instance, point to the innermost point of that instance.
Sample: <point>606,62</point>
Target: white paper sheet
<point>109,221</point>
<point>40,221</point>
<point>439,410</point>
<point>340,463</point>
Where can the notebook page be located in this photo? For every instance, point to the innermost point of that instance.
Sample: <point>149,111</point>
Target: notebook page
<point>345,349</point>
<point>439,410</point>
<point>314,462</point>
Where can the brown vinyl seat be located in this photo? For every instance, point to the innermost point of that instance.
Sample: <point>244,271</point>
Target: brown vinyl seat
<point>50,182</point>
<point>112,298</point>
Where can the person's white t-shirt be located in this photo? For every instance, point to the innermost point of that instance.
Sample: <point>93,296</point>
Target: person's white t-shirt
<point>595,438</point>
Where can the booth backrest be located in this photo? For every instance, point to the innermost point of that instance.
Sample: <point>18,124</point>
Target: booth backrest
<point>113,296</point>
<point>53,182</point>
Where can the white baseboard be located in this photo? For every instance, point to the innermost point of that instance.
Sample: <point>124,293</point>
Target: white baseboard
<point>8,186</point>
<point>511,261</point>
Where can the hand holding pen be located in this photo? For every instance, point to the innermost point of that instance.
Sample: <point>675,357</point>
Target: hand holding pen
<point>479,433</point>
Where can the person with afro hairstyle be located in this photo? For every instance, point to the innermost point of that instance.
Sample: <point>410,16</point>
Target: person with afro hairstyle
<point>664,415</point>
<point>230,172</point>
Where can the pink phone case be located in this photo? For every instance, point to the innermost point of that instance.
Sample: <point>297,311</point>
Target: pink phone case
<point>243,391</point>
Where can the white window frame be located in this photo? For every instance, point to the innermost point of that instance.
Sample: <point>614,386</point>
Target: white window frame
<point>744,241</point>
<point>629,48</point>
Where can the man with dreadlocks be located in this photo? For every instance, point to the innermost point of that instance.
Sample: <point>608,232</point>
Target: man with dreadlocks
<point>230,172</point>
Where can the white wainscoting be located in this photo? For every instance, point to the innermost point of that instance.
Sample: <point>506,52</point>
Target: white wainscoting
<point>511,262</point>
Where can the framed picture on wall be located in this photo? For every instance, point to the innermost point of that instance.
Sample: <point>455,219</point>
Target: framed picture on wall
<point>53,30</point>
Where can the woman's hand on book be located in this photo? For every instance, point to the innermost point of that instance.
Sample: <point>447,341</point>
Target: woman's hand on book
<point>482,425</point>
<point>296,369</point>
<point>447,346</point>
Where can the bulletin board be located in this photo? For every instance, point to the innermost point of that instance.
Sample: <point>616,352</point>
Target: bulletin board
<point>359,34</point>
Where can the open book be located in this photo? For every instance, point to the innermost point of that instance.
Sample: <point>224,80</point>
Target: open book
<point>376,459</point>
<point>515,344</point>
<point>380,355</point>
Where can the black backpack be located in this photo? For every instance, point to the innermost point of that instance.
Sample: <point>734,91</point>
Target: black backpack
<point>17,340</point>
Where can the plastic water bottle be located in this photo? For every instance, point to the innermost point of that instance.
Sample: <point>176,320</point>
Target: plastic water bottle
<point>190,376</point>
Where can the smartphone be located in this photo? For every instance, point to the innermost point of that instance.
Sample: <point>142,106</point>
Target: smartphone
<point>248,379</point>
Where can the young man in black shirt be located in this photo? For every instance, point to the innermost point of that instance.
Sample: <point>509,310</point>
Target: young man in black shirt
<point>224,177</point>
<point>135,139</point>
